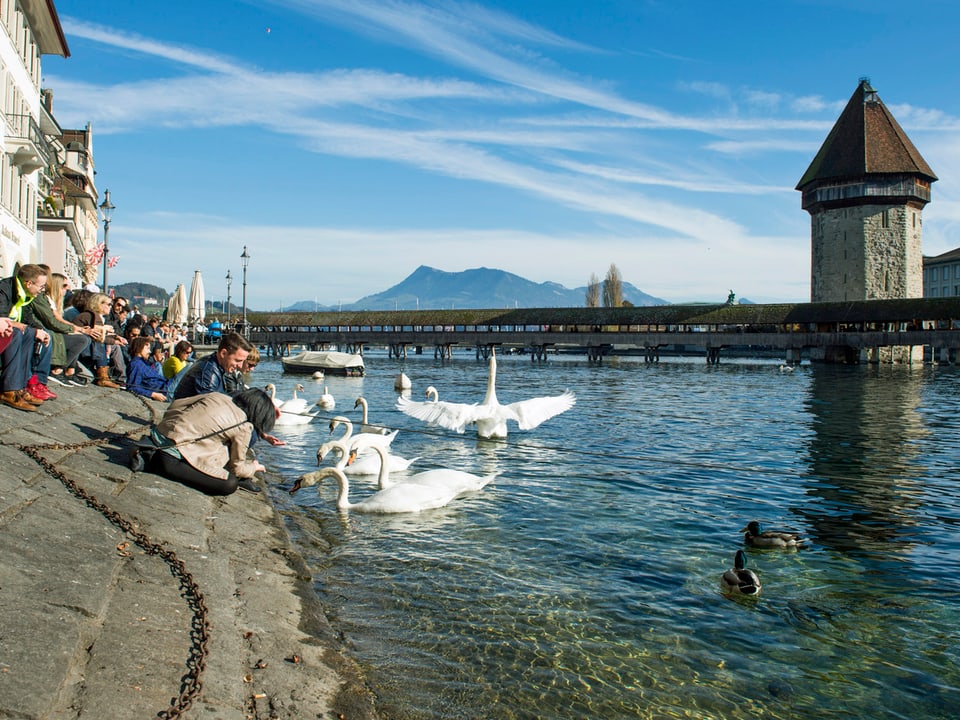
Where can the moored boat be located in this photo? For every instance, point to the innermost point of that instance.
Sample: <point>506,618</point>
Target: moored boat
<point>330,362</point>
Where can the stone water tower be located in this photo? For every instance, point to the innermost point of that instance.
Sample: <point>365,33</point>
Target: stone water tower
<point>865,191</point>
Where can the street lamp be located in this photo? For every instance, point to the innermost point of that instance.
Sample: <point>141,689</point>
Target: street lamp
<point>245,259</point>
<point>229,280</point>
<point>106,210</point>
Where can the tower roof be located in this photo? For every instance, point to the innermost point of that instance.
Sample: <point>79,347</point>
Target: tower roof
<point>865,140</point>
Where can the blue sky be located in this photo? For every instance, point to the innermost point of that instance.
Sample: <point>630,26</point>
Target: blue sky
<point>347,142</point>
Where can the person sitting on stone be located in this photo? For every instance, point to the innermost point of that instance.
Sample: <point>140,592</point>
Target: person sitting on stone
<point>16,351</point>
<point>143,376</point>
<point>96,308</point>
<point>204,440</point>
<point>17,293</point>
<point>67,340</point>
<point>176,366</point>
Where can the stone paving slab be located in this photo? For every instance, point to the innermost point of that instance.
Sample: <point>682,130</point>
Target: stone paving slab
<point>94,626</point>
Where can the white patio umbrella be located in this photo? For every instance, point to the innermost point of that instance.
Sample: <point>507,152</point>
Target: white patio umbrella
<point>177,307</point>
<point>197,310</point>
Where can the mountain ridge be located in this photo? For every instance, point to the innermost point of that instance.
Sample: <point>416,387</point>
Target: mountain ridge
<point>428,288</point>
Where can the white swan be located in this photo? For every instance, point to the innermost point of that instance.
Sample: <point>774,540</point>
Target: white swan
<point>295,411</point>
<point>407,496</point>
<point>326,401</point>
<point>786,368</point>
<point>490,416</point>
<point>317,375</point>
<point>271,390</point>
<point>402,382</point>
<point>363,439</point>
<point>366,427</point>
<point>365,465</point>
<point>432,394</point>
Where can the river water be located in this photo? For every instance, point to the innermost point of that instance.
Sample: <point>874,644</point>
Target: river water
<point>584,582</point>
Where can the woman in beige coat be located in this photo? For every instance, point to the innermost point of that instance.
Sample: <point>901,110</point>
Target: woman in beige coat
<point>204,440</point>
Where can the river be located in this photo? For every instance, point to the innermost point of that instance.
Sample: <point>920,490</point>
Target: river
<point>584,582</point>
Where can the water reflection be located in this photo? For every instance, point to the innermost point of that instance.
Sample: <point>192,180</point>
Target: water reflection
<point>864,477</point>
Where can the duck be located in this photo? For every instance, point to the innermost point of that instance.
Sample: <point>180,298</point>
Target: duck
<point>362,465</point>
<point>738,580</point>
<point>403,497</point>
<point>755,536</point>
<point>489,415</point>
<point>365,426</point>
<point>326,401</point>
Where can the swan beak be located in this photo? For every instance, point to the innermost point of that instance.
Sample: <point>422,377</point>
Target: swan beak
<point>353,456</point>
<point>296,486</point>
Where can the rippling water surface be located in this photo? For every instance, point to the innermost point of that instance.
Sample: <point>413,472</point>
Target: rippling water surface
<point>584,582</point>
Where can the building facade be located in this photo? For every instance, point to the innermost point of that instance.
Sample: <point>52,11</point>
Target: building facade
<point>941,275</point>
<point>31,28</point>
<point>865,191</point>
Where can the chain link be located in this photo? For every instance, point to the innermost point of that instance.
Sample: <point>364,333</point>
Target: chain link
<point>190,683</point>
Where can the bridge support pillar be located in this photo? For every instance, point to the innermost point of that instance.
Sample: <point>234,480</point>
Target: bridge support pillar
<point>792,356</point>
<point>595,353</point>
<point>442,352</point>
<point>713,356</point>
<point>651,354</point>
<point>538,352</point>
<point>397,350</point>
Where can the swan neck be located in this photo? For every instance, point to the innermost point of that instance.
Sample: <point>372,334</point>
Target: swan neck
<point>491,396</point>
<point>383,478</point>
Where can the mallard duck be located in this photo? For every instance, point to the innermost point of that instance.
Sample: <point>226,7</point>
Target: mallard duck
<point>755,536</point>
<point>738,579</point>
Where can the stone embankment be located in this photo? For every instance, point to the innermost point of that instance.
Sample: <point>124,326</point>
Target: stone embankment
<point>126,595</point>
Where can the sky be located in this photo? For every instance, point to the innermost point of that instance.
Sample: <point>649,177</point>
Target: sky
<point>345,143</point>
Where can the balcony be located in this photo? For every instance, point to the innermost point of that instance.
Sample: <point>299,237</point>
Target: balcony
<point>25,144</point>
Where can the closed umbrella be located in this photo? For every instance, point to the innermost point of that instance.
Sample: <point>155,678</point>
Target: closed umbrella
<point>177,307</point>
<point>197,310</point>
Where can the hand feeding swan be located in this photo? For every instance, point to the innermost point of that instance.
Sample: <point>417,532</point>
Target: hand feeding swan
<point>366,427</point>
<point>490,416</point>
<point>406,496</point>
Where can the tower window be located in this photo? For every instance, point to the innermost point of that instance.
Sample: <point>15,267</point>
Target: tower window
<point>885,219</point>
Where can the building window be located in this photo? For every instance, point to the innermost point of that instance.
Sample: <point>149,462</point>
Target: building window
<point>933,273</point>
<point>956,271</point>
<point>885,219</point>
<point>933,292</point>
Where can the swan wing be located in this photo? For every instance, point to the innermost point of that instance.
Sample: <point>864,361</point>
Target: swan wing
<point>406,497</point>
<point>532,412</point>
<point>452,416</point>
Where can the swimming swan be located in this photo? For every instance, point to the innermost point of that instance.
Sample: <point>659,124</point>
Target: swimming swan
<point>490,416</point>
<point>363,439</point>
<point>738,580</point>
<point>403,497</point>
<point>366,427</point>
<point>364,465</point>
<point>432,394</point>
<point>294,411</point>
<point>326,401</point>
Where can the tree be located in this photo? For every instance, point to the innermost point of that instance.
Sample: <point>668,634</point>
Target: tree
<point>593,291</point>
<point>613,288</point>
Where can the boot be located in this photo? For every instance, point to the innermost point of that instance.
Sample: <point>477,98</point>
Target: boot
<point>103,378</point>
<point>13,399</point>
<point>29,397</point>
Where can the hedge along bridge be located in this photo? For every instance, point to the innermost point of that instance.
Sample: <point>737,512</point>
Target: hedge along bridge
<point>851,332</point>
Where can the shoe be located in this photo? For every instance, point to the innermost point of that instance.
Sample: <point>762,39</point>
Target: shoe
<point>77,380</point>
<point>103,379</point>
<point>13,399</point>
<point>60,380</point>
<point>248,485</point>
<point>29,397</point>
<point>41,391</point>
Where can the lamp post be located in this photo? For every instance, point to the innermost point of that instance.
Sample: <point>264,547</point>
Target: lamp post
<point>106,210</point>
<point>229,280</point>
<point>245,259</point>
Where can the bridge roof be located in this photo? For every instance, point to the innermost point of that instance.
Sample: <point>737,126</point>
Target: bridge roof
<point>747,314</point>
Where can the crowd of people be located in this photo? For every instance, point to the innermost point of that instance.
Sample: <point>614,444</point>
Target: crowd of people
<point>51,333</point>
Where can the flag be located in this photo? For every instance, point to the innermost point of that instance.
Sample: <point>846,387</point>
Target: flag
<point>112,262</point>
<point>95,254</point>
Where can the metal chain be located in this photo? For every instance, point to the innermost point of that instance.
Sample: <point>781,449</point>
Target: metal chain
<point>191,683</point>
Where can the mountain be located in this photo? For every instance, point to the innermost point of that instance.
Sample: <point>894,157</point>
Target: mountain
<point>428,288</point>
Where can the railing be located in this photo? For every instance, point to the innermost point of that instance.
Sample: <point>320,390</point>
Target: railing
<point>25,127</point>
